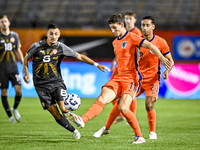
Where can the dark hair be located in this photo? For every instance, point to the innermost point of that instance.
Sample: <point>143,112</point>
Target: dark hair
<point>116,18</point>
<point>2,16</point>
<point>149,18</point>
<point>52,26</point>
<point>130,13</point>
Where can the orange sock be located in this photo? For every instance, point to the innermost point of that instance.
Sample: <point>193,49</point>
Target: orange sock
<point>93,111</point>
<point>133,106</point>
<point>113,115</point>
<point>114,102</point>
<point>151,115</point>
<point>132,120</point>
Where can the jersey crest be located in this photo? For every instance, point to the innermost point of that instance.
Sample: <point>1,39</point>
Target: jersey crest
<point>12,39</point>
<point>55,51</point>
<point>124,44</point>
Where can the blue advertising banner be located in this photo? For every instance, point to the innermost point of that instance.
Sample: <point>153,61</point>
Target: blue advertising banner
<point>80,78</point>
<point>186,47</point>
<point>86,80</point>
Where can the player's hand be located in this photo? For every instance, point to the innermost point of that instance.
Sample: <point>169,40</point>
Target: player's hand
<point>26,77</point>
<point>102,67</point>
<point>165,74</point>
<point>167,64</point>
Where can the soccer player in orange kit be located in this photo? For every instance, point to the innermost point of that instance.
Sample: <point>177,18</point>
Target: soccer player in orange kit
<point>125,83</point>
<point>149,67</point>
<point>130,20</point>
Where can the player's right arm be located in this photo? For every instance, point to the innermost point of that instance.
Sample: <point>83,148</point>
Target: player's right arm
<point>29,55</point>
<point>146,44</point>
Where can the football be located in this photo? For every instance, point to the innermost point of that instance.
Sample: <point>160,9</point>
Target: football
<point>72,102</point>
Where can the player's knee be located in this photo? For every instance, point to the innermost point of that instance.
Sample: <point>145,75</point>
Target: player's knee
<point>102,99</point>
<point>149,106</point>
<point>123,109</point>
<point>18,92</point>
<point>4,92</point>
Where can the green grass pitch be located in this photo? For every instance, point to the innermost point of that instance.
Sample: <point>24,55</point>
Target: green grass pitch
<point>178,127</point>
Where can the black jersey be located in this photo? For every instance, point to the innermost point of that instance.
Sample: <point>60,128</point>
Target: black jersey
<point>46,61</point>
<point>8,45</point>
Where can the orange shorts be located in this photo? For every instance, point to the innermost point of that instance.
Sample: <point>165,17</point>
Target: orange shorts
<point>121,84</point>
<point>150,89</point>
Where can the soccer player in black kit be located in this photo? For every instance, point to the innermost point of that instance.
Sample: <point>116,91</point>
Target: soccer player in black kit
<point>47,55</point>
<point>9,46</point>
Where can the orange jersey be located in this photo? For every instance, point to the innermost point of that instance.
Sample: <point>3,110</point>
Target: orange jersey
<point>125,49</point>
<point>149,63</point>
<point>136,31</point>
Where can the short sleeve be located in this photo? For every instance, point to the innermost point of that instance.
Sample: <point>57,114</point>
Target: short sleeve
<point>18,41</point>
<point>136,39</point>
<point>164,47</point>
<point>67,51</point>
<point>31,51</point>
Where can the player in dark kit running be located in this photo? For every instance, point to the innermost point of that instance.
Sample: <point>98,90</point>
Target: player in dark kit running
<point>47,55</point>
<point>9,45</point>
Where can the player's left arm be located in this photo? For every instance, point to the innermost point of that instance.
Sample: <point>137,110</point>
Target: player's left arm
<point>20,55</point>
<point>87,60</point>
<point>166,72</point>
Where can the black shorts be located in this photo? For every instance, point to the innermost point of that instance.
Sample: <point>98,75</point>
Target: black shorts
<point>14,77</point>
<point>49,96</point>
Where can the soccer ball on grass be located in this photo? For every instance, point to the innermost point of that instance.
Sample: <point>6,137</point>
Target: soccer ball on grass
<point>72,102</point>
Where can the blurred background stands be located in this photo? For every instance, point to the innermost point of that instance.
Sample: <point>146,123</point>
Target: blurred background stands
<point>171,14</point>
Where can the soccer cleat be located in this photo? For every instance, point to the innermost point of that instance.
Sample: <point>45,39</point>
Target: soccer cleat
<point>77,120</point>
<point>12,119</point>
<point>152,135</point>
<point>100,132</point>
<point>77,134</point>
<point>16,114</point>
<point>66,115</point>
<point>118,119</point>
<point>138,140</point>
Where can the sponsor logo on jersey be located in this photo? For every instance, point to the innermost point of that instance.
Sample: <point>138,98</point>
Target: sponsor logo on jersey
<point>12,39</point>
<point>55,51</point>
<point>124,44</point>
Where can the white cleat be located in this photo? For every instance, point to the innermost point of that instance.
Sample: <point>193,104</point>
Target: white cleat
<point>66,115</point>
<point>152,135</point>
<point>12,119</point>
<point>16,114</point>
<point>77,134</point>
<point>138,140</point>
<point>100,132</point>
<point>77,120</point>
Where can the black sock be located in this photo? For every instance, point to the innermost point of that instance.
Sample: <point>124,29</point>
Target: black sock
<point>6,105</point>
<point>65,123</point>
<point>17,101</point>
